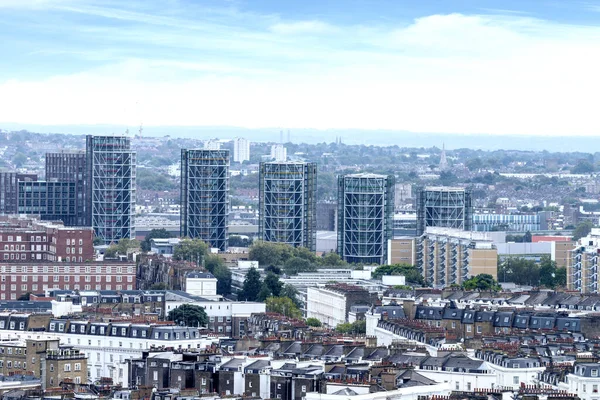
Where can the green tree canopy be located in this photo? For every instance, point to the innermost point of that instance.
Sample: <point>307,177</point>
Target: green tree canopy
<point>211,261</point>
<point>291,292</point>
<point>519,271</point>
<point>582,230</point>
<point>481,282</point>
<point>193,250</point>
<point>223,275</point>
<point>125,245</point>
<point>284,306</point>
<point>161,233</point>
<point>158,286</point>
<point>332,259</point>
<point>313,322</point>
<point>296,264</point>
<point>252,286</point>
<point>356,327</point>
<point>411,273</point>
<point>188,315</point>
<point>273,284</point>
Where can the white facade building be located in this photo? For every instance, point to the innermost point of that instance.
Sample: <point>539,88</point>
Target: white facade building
<point>202,284</point>
<point>278,153</point>
<point>241,150</point>
<point>107,352</point>
<point>326,305</point>
<point>585,381</point>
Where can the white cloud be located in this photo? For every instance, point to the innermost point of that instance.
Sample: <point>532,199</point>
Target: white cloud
<point>442,73</point>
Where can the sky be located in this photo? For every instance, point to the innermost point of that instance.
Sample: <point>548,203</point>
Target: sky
<point>497,67</point>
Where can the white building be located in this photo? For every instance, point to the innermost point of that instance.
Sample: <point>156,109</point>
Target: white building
<point>585,381</point>
<point>328,306</point>
<point>241,150</point>
<point>278,153</point>
<point>202,284</point>
<point>407,393</point>
<point>107,345</point>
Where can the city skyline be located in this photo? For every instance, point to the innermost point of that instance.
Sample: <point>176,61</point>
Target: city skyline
<point>467,67</point>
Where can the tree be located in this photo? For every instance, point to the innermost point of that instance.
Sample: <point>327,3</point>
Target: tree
<point>266,253</point>
<point>527,238</point>
<point>161,233</point>
<point>273,284</point>
<point>125,245</point>
<point>547,272</point>
<point>519,271</point>
<point>211,261</point>
<point>297,264</point>
<point>252,286</point>
<point>158,286</point>
<point>223,275</point>
<point>25,296</point>
<point>583,167</point>
<point>291,292</point>
<point>582,230</point>
<point>410,272</point>
<point>313,322</point>
<point>193,250</point>
<point>356,327</point>
<point>98,241</point>
<point>188,315</point>
<point>561,277</point>
<point>111,251</point>
<point>481,282</point>
<point>284,306</point>
<point>239,241</point>
<point>332,259</point>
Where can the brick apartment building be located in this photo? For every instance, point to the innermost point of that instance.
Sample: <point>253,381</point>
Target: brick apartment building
<point>39,255</point>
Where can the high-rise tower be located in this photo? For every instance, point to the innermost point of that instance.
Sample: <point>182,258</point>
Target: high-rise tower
<point>365,217</point>
<point>288,203</point>
<point>241,150</point>
<point>70,166</point>
<point>111,193</point>
<point>205,196</point>
<point>449,207</point>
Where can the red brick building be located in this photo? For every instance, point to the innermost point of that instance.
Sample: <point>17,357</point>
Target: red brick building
<point>28,239</point>
<point>38,255</point>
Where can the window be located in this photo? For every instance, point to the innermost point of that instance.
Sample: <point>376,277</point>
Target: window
<point>594,372</point>
<point>67,367</point>
<point>303,388</point>
<point>479,329</point>
<point>469,328</point>
<point>515,380</point>
<point>155,375</point>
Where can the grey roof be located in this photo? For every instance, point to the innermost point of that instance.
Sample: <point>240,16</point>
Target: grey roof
<point>463,362</point>
<point>233,364</point>
<point>453,313</point>
<point>257,365</point>
<point>345,392</point>
<point>429,313</point>
<point>200,275</point>
<point>356,353</point>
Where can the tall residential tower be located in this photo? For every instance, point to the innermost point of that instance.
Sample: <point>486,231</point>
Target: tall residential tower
<point>111,168</point>
<point>366,208</point>
<point>205,196</point>
<point>288,203</point>
<point>241,150</point>
<point>445,207</point>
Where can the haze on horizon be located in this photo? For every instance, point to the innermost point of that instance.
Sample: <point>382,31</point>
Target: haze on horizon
<point>514,67</point>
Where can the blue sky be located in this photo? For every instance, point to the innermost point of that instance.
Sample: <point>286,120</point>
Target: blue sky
<point>470,66</point>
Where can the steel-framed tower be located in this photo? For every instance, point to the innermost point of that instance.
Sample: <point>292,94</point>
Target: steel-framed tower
<point>447,207</point>
<point>365,217</point>
<point>205,196</point>
<point>288,203</point>
<point>111,192</point>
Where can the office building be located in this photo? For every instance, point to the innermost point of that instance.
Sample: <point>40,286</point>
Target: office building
<point>332,303</point>
<point>241,150</point>
<point>9,190</point>
<point>288,203</point>
<point>278,153</point>
<point>448,256</point>
<point>70,166</point>
<point>111,192</point>
<point>445,207</point>
<point>51,201</point>
<point>510,222</point>
<point>205,196</point>
<point>366,207</point>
